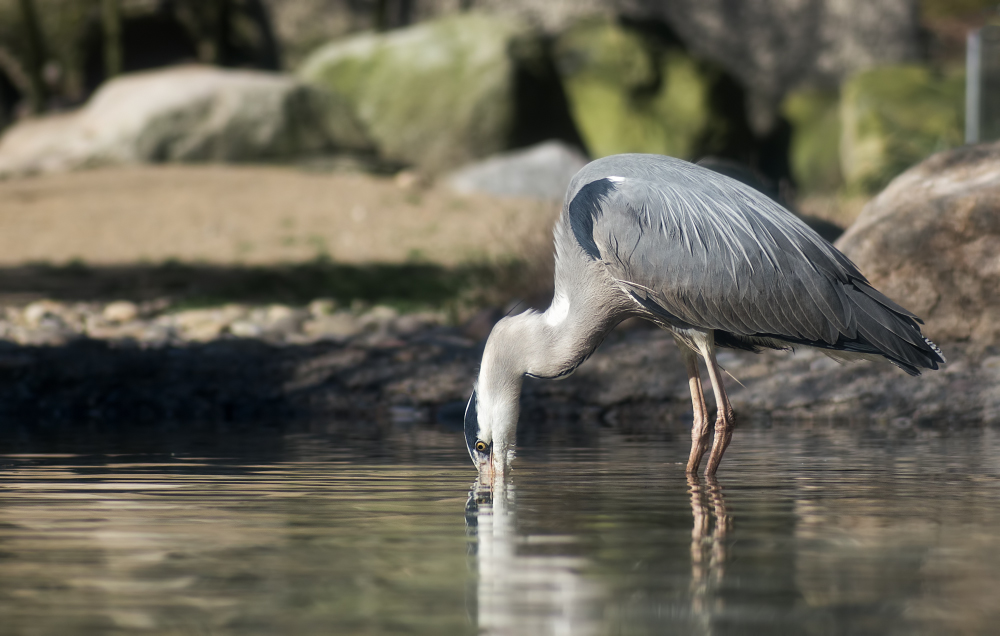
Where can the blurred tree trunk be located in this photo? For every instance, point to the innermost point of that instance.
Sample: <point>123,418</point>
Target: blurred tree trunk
<point>111,20</point>
<point>405,16</point>
<point>401,15</point>
<point>35,56</point>
<point>270,54</point>
<point>380,19</point>
<point>223,17</point>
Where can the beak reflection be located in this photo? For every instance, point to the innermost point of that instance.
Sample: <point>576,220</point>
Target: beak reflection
<point>485,467</point>
<point>520,588</point>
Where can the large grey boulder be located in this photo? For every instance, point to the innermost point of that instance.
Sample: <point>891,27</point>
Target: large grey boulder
<point>542,171</point>
<point>435,95</point>
<point>187,113</point>
<point>931,241</point>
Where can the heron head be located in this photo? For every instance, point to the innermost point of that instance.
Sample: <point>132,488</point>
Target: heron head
<point>492,414</point>
<point>480,442</point>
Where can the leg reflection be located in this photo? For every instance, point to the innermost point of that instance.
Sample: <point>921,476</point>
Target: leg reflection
<point>708,541</point>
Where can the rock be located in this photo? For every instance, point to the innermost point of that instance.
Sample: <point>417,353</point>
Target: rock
<point>187,113</point>
<point>542,172</point>
<point>378,318</point>
<point>931,241</point>
<point>626,95</point>
<point>42,310</point>
<point>773,46</point>
<point>202,325</point>
<point>337,326</point>
<point>282,319</point>
<point>43,322</point>
<point>435,95</point>
<point>246,329</point>
<point>815,146</point>
<point>409,324</point>
<point>120,311</point>
<point>769,46</point>
<point>894,117</point>
<point>322,306</point>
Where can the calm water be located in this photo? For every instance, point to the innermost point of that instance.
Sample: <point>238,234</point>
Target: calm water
<point>808,530</point>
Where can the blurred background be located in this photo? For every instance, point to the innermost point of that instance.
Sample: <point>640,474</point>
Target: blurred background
<point>299,170</point>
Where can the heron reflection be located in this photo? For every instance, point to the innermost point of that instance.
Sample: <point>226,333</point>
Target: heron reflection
<point>518,592</point>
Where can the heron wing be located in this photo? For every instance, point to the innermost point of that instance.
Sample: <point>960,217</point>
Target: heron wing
<point>701,250</point>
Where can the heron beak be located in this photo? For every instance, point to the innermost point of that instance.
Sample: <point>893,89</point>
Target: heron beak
<point>486,470</point>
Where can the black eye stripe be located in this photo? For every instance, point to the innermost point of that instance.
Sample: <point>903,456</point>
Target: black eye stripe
<point>471,425</point>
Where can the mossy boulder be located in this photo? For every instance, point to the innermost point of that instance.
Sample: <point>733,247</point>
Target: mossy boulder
<point>894,117</point>
<point>629,94</point>
<point>814,152</point>
<point>434,95</point>
<point>182,113</point>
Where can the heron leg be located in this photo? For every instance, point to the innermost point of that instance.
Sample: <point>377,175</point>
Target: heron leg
<point>725,420</point>
<point>699,427</point>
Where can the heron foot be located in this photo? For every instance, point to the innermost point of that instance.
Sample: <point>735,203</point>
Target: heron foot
<point>724,425</point>
<point>699,444</point>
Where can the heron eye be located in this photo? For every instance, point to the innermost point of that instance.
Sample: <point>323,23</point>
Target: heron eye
<point>481,446</point>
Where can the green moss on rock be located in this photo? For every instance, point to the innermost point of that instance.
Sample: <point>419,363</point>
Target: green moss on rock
<point>815,146</point>
<point>627,95</point>
<point>893,118</point>
<point>435,95</point>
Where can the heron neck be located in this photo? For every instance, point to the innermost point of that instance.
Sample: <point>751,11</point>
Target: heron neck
<point>544,345</point>
<point>547,345</point>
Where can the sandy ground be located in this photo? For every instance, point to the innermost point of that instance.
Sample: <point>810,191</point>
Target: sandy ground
<point>255,215</point>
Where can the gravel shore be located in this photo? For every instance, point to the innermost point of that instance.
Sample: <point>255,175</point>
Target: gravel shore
<point>130,362</point>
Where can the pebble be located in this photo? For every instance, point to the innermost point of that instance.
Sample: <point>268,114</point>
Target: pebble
<point>378,318</point>
<point>120,311</point>
<point>39,310</point>
<point>50,322</point>
<point>322,307</point>
<point>202,325</point>
<point>246,329</point>
<point>340,325</point>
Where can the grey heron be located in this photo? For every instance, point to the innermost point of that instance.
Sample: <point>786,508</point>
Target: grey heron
<point>709,259</point>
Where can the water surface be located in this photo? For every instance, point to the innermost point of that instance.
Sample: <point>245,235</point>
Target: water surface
<point>808,530</point>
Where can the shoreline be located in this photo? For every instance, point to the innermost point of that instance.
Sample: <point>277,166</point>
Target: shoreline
<point>635,381</point>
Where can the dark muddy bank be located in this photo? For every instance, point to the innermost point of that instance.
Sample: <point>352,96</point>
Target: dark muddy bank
<point>634,382</point>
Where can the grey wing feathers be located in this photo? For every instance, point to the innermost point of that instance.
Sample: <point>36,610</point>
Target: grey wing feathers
<point>700,249</point>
